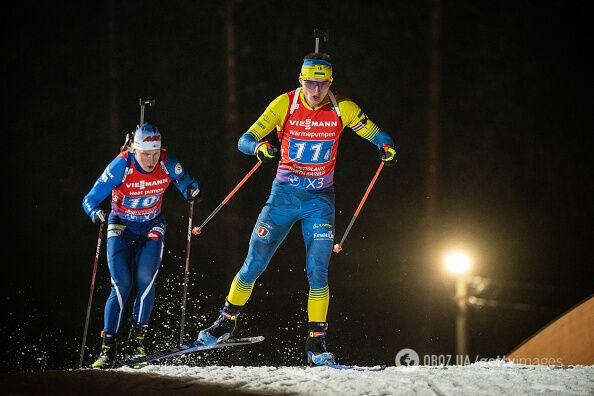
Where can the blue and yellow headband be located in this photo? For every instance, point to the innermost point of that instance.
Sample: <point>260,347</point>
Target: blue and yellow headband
<point>316,68</point>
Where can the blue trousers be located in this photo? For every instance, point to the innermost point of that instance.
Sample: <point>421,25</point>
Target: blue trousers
<point>286,206</point>
<point>134,253</point>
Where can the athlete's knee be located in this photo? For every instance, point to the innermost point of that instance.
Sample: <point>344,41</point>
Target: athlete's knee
<point>145,282</point>
<point>251,270</point>
<point>317,277</point>
<point>121,287</point>
<point>148,263</point>
<point>146,277</point>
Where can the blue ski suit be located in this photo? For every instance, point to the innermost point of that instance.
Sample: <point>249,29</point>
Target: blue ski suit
<point>135,229</point>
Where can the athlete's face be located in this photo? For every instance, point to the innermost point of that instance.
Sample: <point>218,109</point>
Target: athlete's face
<point>147,159</point>
<point>315,90</point>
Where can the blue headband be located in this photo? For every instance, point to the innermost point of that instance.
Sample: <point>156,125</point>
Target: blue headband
<point>312,62</point>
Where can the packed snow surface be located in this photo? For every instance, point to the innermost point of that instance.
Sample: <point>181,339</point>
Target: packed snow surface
<point>483,378</point>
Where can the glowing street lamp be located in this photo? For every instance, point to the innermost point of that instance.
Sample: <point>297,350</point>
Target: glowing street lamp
<point>459,264</point>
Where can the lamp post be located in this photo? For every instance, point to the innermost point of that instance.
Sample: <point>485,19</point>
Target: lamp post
<point>459,264</point>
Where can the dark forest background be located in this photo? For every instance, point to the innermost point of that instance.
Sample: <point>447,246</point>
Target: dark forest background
<point>489,103</point>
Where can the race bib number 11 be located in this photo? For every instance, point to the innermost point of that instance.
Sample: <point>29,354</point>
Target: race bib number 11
<point>310,151</point>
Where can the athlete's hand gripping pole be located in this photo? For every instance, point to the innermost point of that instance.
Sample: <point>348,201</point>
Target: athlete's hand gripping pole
<point>338,246</point>
<point>186,272</point>
<point>198,230</point>
<point>84,339</point>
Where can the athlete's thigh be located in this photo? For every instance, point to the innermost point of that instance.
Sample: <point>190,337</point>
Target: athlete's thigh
<point>120,251</point>
<point>149,255</point>
<point>318,235</point>
<point>276,218</point>
<point>317,223</point>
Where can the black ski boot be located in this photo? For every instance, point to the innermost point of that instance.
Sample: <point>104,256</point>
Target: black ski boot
<point>108,352</point>
<point>136,347</point>
<point>223,327</point>
<point>315,347</point>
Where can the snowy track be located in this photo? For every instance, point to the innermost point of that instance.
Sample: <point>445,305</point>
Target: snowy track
<point>476,379</point>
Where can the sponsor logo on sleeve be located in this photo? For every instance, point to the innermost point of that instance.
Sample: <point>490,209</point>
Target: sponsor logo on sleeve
<point>178,168</point>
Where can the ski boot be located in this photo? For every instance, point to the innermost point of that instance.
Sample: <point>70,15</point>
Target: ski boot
<point>315,347</point>
<point>222,328</point>
<point>136,341</point>
<point>108,352</point>
<point>136,344</point>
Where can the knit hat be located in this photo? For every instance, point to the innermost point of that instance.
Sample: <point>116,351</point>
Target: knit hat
<point>147,137</point>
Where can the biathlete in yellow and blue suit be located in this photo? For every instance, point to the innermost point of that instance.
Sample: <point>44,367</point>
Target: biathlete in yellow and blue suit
<point>308,122</point>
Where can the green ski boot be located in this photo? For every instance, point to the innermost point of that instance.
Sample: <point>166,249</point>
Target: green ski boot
<point>108,351</point>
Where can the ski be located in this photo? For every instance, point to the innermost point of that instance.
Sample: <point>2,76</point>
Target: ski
<point>356,368</point>
<point>184,350</point>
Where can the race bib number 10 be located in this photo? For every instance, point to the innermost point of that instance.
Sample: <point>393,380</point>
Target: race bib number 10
<point>141,202</point>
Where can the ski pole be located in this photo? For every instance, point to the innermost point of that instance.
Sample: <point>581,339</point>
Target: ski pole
<point>186,271</point>
<point>84,340</point>
<point>338,246</point>
<point>198,230</point>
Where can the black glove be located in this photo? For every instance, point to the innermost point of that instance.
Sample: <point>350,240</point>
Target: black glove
<point>99,217</point>
<point>266,152</point>
<point>388,155</point>
<point>194,194</point>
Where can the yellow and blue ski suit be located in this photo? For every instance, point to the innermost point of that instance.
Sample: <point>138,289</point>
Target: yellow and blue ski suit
<point>303,188</point>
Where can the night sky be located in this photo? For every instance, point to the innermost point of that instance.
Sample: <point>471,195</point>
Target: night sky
<point>515,168</point>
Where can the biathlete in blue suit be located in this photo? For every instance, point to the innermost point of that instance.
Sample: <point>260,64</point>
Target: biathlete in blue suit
<point>136,179</point>
<point>308,122</point>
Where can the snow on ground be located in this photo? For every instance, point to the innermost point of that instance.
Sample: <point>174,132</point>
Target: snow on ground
<point>483,378</point>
